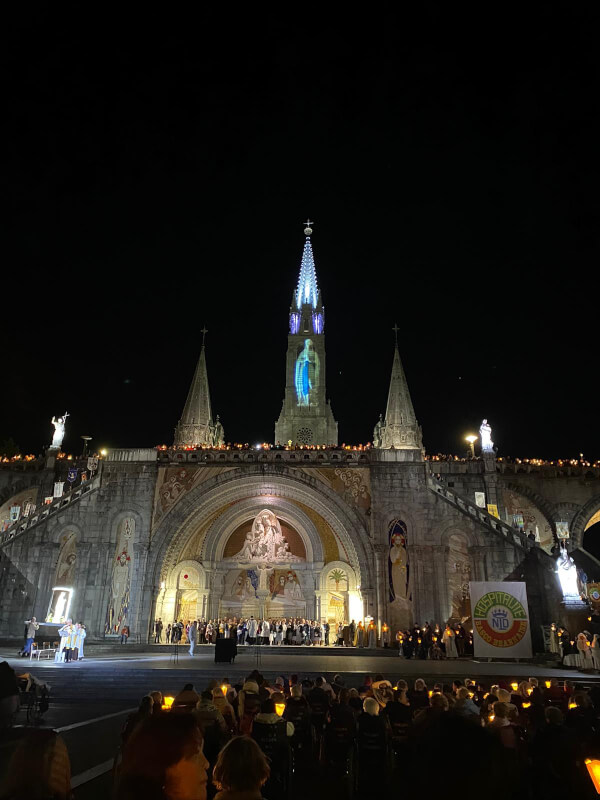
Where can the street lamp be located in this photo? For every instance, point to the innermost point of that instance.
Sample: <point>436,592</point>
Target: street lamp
<point>471,439</point>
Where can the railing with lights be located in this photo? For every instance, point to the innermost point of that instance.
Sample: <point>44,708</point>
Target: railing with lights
<point>513,535</point>
<point>58,504</point>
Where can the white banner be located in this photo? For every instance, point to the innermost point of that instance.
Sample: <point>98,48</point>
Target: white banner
<point>480,499</point>
<point>15,513</point>
<point>58,488</point>
<point>501,627</point>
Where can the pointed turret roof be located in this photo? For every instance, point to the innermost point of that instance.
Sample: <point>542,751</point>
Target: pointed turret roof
<point>400,429</point>
<point>399,409</point>
<point>307,291</point>
<point>196,425</point>
<point>197,406</point>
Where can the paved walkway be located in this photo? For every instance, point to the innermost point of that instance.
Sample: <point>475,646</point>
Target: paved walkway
<point>308,661</point>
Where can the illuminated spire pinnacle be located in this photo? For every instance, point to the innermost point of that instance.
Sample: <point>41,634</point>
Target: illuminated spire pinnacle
<point>307,292</point>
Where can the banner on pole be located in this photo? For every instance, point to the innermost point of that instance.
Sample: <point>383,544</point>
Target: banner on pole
<point>493,510</point>
<point>72,475</point>
<point>501,627</point>
<point>58,488</point>
<point>518,521</point>
<point>15,513</point>
<point>480,499</point>
<point>562,530</point>
<point>92,464</point>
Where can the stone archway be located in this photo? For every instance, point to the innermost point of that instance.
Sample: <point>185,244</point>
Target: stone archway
<point>199,525</point>
<point>339,598</point>
<point>537,516</point>
<point>584,519</point>
<point>183,595</point>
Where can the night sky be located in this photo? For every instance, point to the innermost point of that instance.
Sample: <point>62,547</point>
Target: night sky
<point>157,170</point>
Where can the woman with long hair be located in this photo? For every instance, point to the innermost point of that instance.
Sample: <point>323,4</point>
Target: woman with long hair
<point>241,770</point>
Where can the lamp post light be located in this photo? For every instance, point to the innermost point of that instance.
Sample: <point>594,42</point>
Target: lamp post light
<point>471,439</point>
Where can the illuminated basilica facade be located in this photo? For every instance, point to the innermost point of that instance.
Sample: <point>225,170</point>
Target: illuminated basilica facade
<point>203,531</point>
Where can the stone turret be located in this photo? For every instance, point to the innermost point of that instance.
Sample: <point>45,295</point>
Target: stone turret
<point>400,429</point>
<point>196,427</point>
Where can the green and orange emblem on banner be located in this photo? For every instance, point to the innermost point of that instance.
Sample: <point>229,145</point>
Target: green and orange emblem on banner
<point>500,619</point>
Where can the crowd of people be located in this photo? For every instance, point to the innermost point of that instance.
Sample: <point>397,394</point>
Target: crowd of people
<point>581,651</point>
<point>523,740</point>
<point>250,631</point>
<point>430,641</point>
<point>285,737</point>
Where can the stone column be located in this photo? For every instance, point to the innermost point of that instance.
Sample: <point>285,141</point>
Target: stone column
<point>381,554</point>
<point>477,553</point>
<point>205,604</point>
<point>369,602</point>
<point>490,481</point>
<point>421,587</point>
<point>320,601</point>
<point>441,592</point>
<point>83,599</point>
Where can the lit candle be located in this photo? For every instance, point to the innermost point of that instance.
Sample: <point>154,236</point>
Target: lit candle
<point>593,768</point>
<point>279,708</point>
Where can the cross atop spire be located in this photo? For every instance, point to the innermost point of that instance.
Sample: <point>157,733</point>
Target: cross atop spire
<point>396,329</point>
<point>307,292</point>
<point>204,331</point>
<point>307,226</point>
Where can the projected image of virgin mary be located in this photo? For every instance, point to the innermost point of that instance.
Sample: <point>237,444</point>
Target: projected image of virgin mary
<point>307,374</point>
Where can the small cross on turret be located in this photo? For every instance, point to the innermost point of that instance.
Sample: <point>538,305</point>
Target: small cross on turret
<point>308,229</point>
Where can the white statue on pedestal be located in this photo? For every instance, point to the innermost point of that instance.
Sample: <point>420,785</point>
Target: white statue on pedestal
<point>567,574</point>
<point>485,433</point>
<point>59,431</point>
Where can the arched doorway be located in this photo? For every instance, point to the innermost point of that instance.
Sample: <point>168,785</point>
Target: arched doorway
<point>339,598</point>
<point>182,596</point>
<point>312,525</point>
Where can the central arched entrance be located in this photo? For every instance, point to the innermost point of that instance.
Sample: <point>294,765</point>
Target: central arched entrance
<point>303,529</point>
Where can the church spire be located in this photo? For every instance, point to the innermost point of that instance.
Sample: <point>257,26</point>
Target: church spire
<point>307,292</point>
<point>306,416</point>
<point>196,427</point>
<point>400,429</point>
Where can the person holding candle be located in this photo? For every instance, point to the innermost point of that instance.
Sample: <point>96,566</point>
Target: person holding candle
<point>449,642</point>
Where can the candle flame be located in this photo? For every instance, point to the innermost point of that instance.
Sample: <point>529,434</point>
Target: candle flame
<point>593,767</point>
